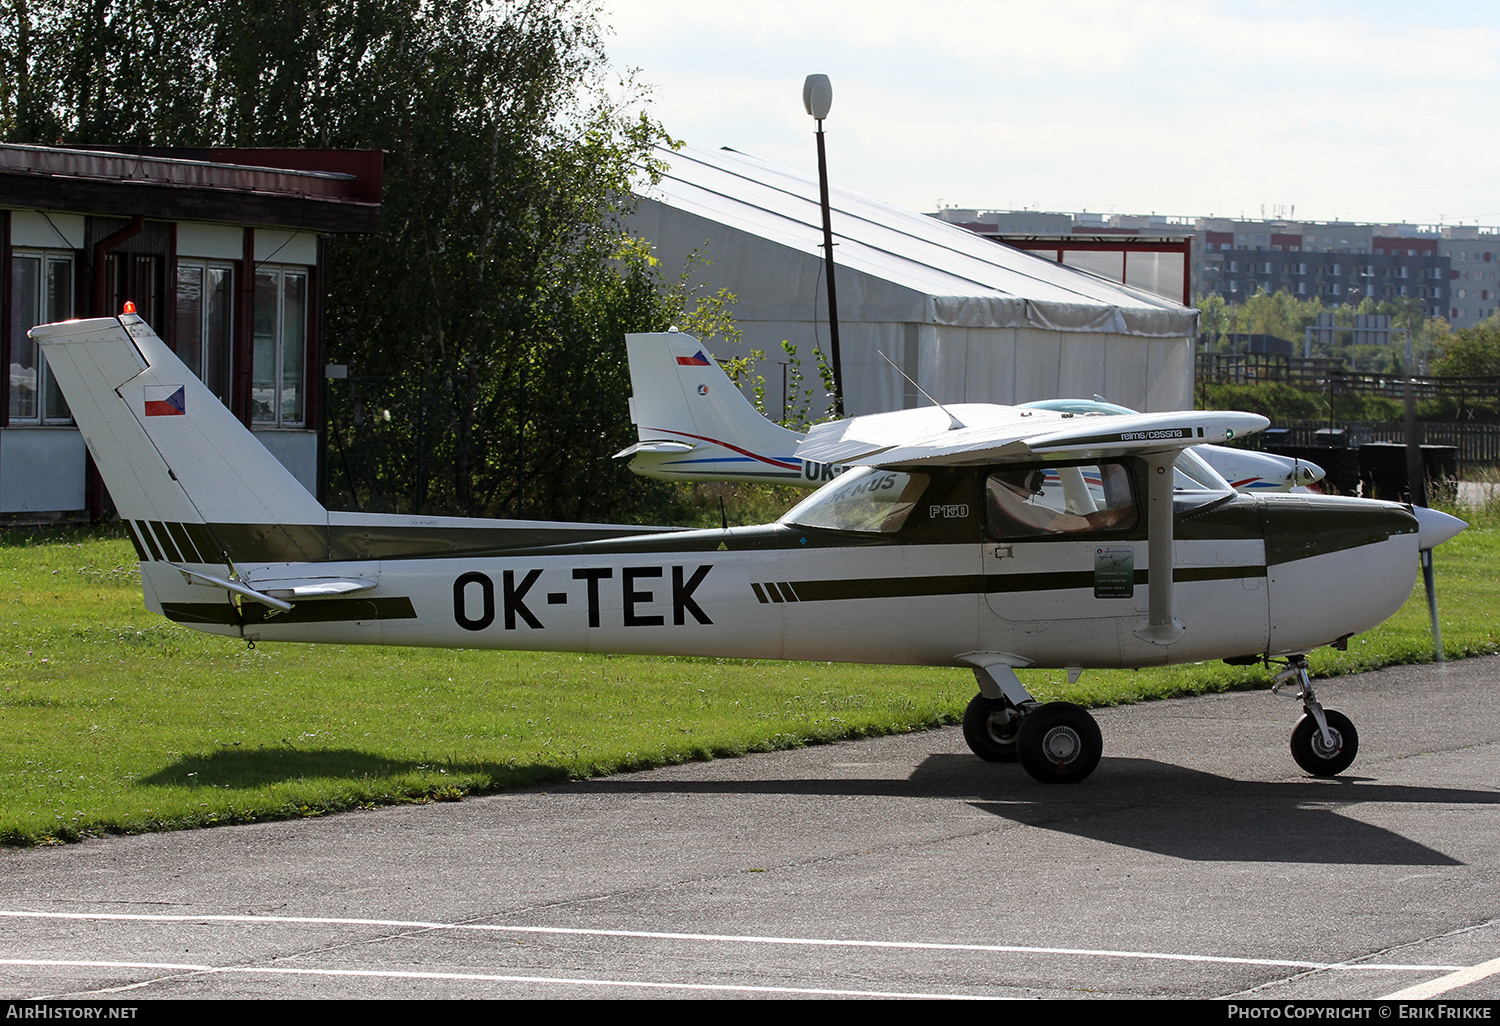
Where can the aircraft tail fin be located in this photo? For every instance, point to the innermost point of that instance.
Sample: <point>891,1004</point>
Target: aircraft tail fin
<point>693,423</point>
<point>184,473</point>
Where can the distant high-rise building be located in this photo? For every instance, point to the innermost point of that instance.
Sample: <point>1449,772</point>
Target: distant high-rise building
<point>1451,271</point>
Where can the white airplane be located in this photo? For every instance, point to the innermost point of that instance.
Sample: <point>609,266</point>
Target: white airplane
<point>981,536</point>
<point>695,425</point>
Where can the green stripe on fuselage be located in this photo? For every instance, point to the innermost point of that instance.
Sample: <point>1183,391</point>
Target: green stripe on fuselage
<point>993,584</point>
<point>316,611</point>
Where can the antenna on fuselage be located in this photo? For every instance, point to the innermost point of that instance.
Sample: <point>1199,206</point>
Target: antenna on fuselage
<point>954,424</point>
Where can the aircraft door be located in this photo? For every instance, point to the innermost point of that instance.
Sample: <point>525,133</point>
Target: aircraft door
<point>1064,544</point>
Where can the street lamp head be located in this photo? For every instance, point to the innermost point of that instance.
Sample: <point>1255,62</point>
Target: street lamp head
<point>817,96</point>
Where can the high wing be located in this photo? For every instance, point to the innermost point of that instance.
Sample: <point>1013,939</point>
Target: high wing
<point>1246,470</point>
<point>975,434</point>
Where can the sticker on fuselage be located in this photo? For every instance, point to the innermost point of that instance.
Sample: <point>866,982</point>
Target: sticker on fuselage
<point>1114,572</point>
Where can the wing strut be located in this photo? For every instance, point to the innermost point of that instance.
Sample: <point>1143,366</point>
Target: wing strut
<point>1160,627</point>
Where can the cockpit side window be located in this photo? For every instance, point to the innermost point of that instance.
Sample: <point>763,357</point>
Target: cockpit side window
<point>1038,500</point>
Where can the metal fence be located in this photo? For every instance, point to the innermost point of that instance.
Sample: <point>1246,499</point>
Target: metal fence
<point>1478,444</point>
<point>1328,375</point>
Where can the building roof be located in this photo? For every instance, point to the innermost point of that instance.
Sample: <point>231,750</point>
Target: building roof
<point>313,190</point>
<point>968,280</point>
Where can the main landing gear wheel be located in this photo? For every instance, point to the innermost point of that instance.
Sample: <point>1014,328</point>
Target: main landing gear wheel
<point>1312,751</point>
<point>1059,743</point>
<point>990,727</point>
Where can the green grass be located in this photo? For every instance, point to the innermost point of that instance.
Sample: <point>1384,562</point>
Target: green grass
<point>116,720</point>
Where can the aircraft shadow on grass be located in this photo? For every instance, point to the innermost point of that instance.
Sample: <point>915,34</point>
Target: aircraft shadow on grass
<point>245,768</point>
<point>1150,806</point>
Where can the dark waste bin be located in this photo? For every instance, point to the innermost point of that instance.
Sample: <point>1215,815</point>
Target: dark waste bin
<point>1340,464</point>
<point>1382,471</point>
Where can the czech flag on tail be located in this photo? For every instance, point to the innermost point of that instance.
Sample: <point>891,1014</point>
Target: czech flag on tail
<point>696,360</point>
<point>166,400</point>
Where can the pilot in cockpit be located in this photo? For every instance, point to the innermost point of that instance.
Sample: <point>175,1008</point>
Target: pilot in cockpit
<point>1024,501</point>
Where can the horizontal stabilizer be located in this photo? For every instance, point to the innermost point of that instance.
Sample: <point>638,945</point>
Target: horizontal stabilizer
<point>655,445</point>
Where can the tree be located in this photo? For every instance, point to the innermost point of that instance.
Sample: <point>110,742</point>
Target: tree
<point>1213,319</point>
<point>484,325</point>
<point>1472,351</point>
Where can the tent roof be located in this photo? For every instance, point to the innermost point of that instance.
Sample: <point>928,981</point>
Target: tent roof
<point>968,280</point>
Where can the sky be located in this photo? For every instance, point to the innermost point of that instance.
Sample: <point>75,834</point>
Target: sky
<point>1319,110</point>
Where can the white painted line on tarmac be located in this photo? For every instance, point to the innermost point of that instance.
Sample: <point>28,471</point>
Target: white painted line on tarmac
<point>392,974</point>
<point>1443,984</point>
<point>732,939</point>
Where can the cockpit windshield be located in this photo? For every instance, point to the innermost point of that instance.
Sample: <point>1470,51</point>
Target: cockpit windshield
<point>863,499</point>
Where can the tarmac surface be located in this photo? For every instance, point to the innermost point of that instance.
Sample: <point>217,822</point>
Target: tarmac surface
<point>1197,862</point>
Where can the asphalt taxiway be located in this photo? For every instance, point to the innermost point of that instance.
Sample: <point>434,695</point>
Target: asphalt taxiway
<point>1198,861</point>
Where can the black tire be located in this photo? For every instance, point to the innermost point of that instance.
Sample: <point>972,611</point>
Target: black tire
<point>1313,755</point>
<point>1059,743</point>
<point>990,727</point>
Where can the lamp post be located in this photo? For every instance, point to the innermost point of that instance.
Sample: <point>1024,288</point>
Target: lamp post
<point>817,98</point>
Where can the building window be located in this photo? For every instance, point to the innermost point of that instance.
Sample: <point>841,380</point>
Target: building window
<point>278,395</point>
<point>41,288</point>
<point>205,309</point>
<point>134,278</point>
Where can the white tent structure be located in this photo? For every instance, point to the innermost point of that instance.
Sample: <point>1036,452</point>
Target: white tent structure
<point>969,319</point>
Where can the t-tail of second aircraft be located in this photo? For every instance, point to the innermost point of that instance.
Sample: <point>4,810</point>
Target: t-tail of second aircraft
<point>695,425</point>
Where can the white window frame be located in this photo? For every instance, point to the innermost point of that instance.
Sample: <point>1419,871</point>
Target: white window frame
<point>47,313</point>
<point>200,358</point>
<point>273,374</point>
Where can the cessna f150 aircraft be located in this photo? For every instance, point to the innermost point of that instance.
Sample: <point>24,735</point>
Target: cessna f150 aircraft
<point>990,537</point>
<point>695,425</point>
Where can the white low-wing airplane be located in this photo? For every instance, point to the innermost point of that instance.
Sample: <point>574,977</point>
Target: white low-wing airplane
<point>982,536</point>
<point>695,425</point>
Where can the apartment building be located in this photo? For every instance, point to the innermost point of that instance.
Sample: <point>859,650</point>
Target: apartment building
<point>1451,271</point>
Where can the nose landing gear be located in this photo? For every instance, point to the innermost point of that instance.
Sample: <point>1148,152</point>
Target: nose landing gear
<point>1324,742</point>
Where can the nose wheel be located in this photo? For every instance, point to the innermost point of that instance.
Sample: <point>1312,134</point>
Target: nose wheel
<point>1324,742</point>
<point>1320,755</point>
